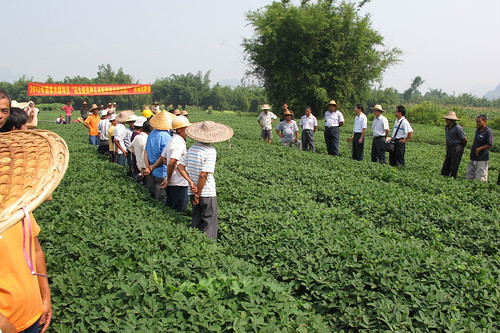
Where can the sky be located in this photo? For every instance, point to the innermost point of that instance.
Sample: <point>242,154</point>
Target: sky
<point>454,45</point>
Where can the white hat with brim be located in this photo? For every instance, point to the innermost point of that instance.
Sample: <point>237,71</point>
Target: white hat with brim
<point>162,121</point>
<point>332,102</point>
<point>140,121</point>
<point>265,107</point>
<point>112,117</point>
<point>209,132</point>
<point>123,116</point>
<point>103,113</point>
<point>131,118</point>
<point>378,107</point>
<point>451,116</point>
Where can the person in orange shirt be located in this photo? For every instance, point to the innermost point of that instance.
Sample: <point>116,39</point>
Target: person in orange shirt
<point>92,123</point>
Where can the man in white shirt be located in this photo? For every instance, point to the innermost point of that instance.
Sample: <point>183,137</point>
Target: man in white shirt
<point>265,120</point>
<point>401,134</point>
<point>309,125</point>
<point>333,121</point>
<point>359,131</point>
<point>380,128</point>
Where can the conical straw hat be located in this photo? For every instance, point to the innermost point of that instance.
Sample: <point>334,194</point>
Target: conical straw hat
<point>209,132</point>
<point>32,163</point>
<point>162,121</point>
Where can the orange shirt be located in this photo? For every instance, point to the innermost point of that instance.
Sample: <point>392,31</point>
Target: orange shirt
<point>20,299</point>
<point>93,121</point>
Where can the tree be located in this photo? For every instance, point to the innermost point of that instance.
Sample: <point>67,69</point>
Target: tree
<point>412,93</point>
<point>311,53</point>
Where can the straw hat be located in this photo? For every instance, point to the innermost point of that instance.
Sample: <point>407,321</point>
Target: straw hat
<point>85,103</point>
<point>162,121</point>
<point>209,132</point>
<point>177,112</point>
<point>179,122</point>
<point>124,115</point>
<point>94,106</point>
<point>184,113</point>
<point>378,107</point>
<point>265,107</point>
<point>32,163</point>
<point>287,113</point>
<point>451,116</point>
<point>332,102</point>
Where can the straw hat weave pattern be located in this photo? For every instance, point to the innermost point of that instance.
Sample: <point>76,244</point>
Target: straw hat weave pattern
<point>162,121</point>
<point>209,132</point>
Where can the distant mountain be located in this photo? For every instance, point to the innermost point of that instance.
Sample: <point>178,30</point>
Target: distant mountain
<point>493,94</point>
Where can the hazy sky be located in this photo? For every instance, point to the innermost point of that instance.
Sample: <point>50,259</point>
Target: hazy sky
<point>454,45</point>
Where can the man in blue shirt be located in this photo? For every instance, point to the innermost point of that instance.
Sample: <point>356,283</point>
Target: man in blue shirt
<point>480,151</point>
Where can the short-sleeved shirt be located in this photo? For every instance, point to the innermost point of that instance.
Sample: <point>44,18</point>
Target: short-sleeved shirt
<point>137,148</point>
<point>123,135</point>
<point>454,135</point>
<point>287,130</point>
<point>480,139</point>
<point>360,123</point>
<point>176,149</point>
<point>266,119</point>
<point>333,119</point>
<point>93,121</point>
<point>380,125</point>
<point>102,129</point>
<point>155,145</point>
<point>403,130</point>
<point>199,158</point>
<point>68,109</point>
<point>20,299</point>
<point>308,123</point>
<point>111,134</point>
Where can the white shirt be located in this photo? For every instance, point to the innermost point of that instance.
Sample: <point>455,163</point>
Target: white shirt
<point>199,158</point>
<point>137,148</point>
<point>123,135</point>
<point>266,119</point>
<point>360,123</point>
<point>380,125</point>
<point>308,123</point>
<point>102,129</point>
<point>176,149</point>
<point>333,119</point>
<point>403,130</point>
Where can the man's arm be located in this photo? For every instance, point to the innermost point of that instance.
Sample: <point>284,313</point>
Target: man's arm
<point>43,282</point>
<point>408,137</point>
<point>362,137</point>
<point>182,170</point>
<point>6,326</point>
<point>170,170</point>
<point>260,124</point>
<point>202,179</point>
<point>341,123</point>
<point>119,146</point>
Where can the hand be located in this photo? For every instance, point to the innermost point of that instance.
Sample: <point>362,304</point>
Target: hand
<point>147,171</point>
<point>196,200</point>
<point>194,188</point>
<point>295,140</point>
<point>403,141</point>
<point>46,314</point>
<point>349,139</point>
<point>477,151</point>
<point>164,183</point>
<point>360,141</point>
<point>125,154</point>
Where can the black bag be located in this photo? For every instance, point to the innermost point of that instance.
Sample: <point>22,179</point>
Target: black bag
<point>389,145</point>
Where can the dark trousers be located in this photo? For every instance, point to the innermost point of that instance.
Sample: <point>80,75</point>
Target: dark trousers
<point>332,138</point>
<point>357,148</point>
<point>397,157</point>
<point>308,140</point>
<point>378,152</point>
<point>103,146</point>
<point>204,216</point>
<point>177,197</point>
<point>153,184</point>
<point>68,119</point>
<point>452,160</point>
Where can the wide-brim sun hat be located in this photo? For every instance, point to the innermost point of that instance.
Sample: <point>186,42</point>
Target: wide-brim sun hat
<point>265,107</point>
<point>451,115</point>
<point>162,121</point>
<point>209,132</point>
<point>184,113</point>
<point>131,118</point>
<point>332,102</point>
<point>140,121</point>
<point>32,164</point>
<point>179,122</point>
<point>123,116</point>
<point>94,106</point>
<point>378,107</point>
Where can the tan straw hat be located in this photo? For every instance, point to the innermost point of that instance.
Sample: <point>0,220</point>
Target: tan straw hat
<point>94,106</point>
<point>179,122</point>
<point>209,132</point>
<point>287,113</point>
<point>332,102</point>
<point>184,113</point>
<point>32,163</point>
<point>378,107</point>
<point>162,121</point>
<point>265,107</point>
<point>123,116</point>
<point>451,116</point>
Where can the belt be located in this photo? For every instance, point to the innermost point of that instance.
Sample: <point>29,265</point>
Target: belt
<point>330,126</point>
<point>378,137</point>
<point>357,132</point>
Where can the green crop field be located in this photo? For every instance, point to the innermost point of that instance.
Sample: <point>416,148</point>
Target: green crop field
<point>308,242</point>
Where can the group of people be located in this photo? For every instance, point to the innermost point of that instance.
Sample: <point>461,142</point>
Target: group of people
<point>288,131</point>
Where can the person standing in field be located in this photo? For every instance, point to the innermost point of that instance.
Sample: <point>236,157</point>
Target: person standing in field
<point>111,137</point>
<point>68,110</point>
<point>359,131</point>
<point>288,131</point>
<point>309,125</point>
<point>102,131</point>
<point>380,128</point>
<point>198,167</point>
<point>123,136</point>
<point>401,134</point>
<point>480,151</point>
<point>265,120</point>
<point>92,123</point>
<point>284,108</point>
<point>155,108</point>
<point>84,111</point>
<point>137,134</point>
<point>455,144</point>
<point>333,121</point>
<point>138,145</point>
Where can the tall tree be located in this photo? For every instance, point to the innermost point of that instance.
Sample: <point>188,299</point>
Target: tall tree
<point>412,92</point>
<point>314,52</point>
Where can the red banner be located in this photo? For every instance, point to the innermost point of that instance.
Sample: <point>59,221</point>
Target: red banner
<point>58,89</point>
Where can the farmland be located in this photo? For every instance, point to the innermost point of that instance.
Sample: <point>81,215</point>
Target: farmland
<point>308,242</point>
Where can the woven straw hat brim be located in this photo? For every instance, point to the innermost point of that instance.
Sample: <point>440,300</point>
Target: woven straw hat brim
<point>451,116</point>
<point>32,164</point>
<point>162,121</point>
<point>209,132</point>
<point>123,116</point>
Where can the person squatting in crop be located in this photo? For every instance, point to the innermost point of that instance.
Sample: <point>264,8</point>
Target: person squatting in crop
<point>288,131</point>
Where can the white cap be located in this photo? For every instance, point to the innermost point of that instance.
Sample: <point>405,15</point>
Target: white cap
<point>140,121</point>
<point>103,112</point>
<point>112,117</point>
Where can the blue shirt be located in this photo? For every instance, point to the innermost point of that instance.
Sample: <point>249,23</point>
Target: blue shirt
<point>156,143</point>
<point>480,139</point>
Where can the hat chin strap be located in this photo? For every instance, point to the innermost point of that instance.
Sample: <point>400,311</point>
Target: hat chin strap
<point>30,235</point>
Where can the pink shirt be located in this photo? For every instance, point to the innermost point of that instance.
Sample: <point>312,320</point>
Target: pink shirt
<point>68,109</point>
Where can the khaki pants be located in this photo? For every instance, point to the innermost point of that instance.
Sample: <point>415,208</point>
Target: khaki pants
<point>477,170</point>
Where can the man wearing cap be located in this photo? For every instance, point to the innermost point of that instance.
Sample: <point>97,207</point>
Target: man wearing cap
<point>333,121</point>
<point>198,166</point>
<point>4,107</point>
<point>176,185</point>
<point>113,108</point>
<point>401,134</point>
<point>92,123</point>
<point>309,125</point>
<point>138,139</point>
<point>455,144</point>
<point>480,151</point>
<point>155,145</point>
<point>68,110</point>
<point>265,120</point>
<point>359,131</point>
<point>155,108</point>
<point>84,111</point>
<point>380,128</point>
<point>102,130</point>
<point>123,135</point>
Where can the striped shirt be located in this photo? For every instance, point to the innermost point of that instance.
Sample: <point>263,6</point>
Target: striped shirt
<point>102,129</point>
<point>201,158</point>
